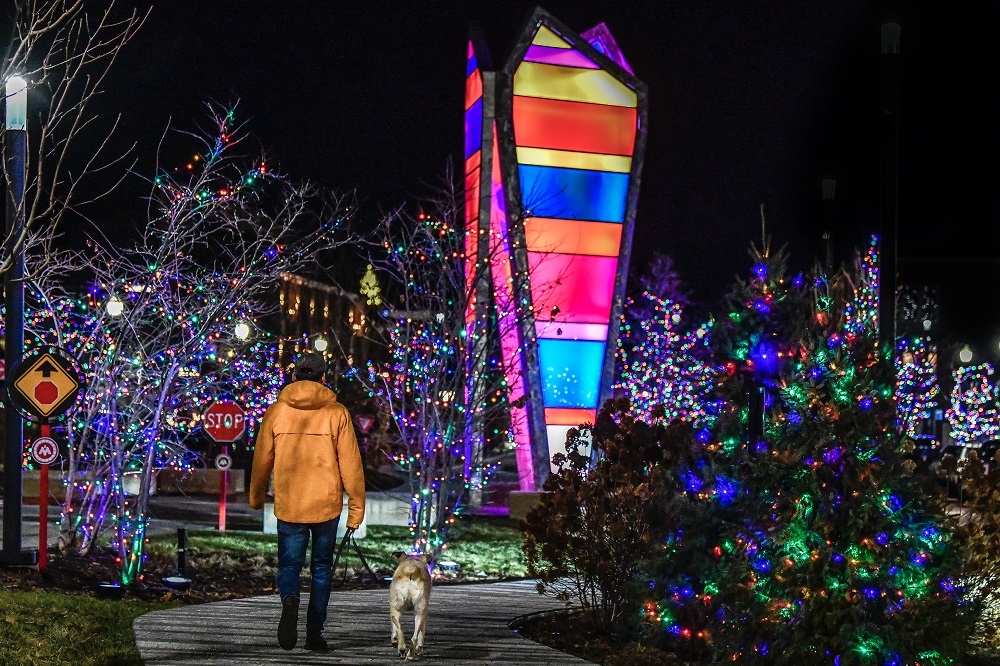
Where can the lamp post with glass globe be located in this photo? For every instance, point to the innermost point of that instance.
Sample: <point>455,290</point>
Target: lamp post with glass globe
<point>16,115</point>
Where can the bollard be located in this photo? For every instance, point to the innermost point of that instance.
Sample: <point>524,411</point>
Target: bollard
<point>182,540</point>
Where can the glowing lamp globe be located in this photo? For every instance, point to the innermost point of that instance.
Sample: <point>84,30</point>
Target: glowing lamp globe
<point>114,306</point>
<point>16,94</point>
<point>965,356</point>
<point>242,330</point>
<point>320,344</point>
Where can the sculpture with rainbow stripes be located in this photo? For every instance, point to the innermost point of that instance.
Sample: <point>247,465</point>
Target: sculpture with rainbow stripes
<point>553,152</point>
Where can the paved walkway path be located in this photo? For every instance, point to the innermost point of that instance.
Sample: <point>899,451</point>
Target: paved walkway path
<point>467,624</point>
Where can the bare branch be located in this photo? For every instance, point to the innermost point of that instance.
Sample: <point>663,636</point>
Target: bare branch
<point>64,50</point>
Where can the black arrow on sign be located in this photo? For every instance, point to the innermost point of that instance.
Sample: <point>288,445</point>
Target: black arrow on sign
<point>47,369</point>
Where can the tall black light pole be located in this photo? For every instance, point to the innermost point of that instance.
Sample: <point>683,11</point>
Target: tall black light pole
<point>17,152</point>
<point>829,220</point>
<point>889,195</point>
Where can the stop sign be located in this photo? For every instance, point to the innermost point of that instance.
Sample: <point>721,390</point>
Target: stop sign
<point>225,421</point>
<point>46,392</point>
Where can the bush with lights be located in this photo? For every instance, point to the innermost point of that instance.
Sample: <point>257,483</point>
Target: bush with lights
<point>592,528</point>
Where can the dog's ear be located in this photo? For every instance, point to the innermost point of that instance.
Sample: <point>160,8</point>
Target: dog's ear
<point>426,559</point>
<point>398,555</point>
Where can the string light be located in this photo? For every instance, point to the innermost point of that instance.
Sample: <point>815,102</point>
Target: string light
<point>159,336</point>
<point>916,385</point>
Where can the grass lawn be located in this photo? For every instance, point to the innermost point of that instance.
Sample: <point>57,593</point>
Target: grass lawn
<point>73,629</point>
<point>484,547</point>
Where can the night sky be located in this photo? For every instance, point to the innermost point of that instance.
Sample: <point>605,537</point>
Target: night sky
<point>750,103</point>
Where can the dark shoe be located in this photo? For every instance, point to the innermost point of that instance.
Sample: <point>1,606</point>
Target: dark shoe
<point>288,626</point>
<point>315,641</point>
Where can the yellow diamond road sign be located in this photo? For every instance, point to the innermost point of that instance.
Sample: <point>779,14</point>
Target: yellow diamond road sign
<point>46,385</point>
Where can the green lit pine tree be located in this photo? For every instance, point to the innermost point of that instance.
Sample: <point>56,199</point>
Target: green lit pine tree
<point>822,548</point>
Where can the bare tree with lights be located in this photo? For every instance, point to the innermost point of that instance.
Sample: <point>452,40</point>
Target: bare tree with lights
<point>974,415</point>
<point>168,326</point>
<point>428,386</point>
<point>61,51</point>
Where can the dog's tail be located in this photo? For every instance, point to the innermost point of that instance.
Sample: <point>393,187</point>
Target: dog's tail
<point>413,566</point>
<point>412,570</point>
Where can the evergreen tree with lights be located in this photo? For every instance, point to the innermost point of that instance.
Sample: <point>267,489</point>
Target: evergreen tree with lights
<point>822,548</point>
<point>658,283</point>
<point>661,280</point>
<point>916,386</point>
<point>662,360</point>
<point>662,366</point>
<point>974,415</point>
<point>169,326</point>
<point>861,316</point>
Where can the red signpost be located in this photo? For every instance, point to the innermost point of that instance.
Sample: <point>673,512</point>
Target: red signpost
<point>43,385</point>
<point>225,422</point>
<point>45,452</point>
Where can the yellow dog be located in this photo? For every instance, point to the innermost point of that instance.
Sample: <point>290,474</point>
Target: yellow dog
<point>410,589</point>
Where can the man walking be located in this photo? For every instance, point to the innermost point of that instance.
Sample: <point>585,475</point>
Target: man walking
<point>306,438</point>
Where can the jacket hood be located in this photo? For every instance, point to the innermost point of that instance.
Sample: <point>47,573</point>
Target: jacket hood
<point>305,394</point>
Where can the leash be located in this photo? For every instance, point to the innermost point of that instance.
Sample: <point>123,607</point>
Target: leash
<point>349,539</point>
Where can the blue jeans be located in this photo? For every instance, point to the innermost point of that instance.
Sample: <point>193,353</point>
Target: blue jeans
<point>292,541</point>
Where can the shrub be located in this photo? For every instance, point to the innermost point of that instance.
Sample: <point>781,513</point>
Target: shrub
<point>587,536</point>
<point>978,536</point>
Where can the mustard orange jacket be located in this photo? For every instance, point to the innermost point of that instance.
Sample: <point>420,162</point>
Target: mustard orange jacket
<point>306,438</point>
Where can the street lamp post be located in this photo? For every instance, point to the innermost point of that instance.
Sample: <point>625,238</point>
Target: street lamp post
<point>829,219</point>
<point>16,157</point>
<point>889,204</point>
